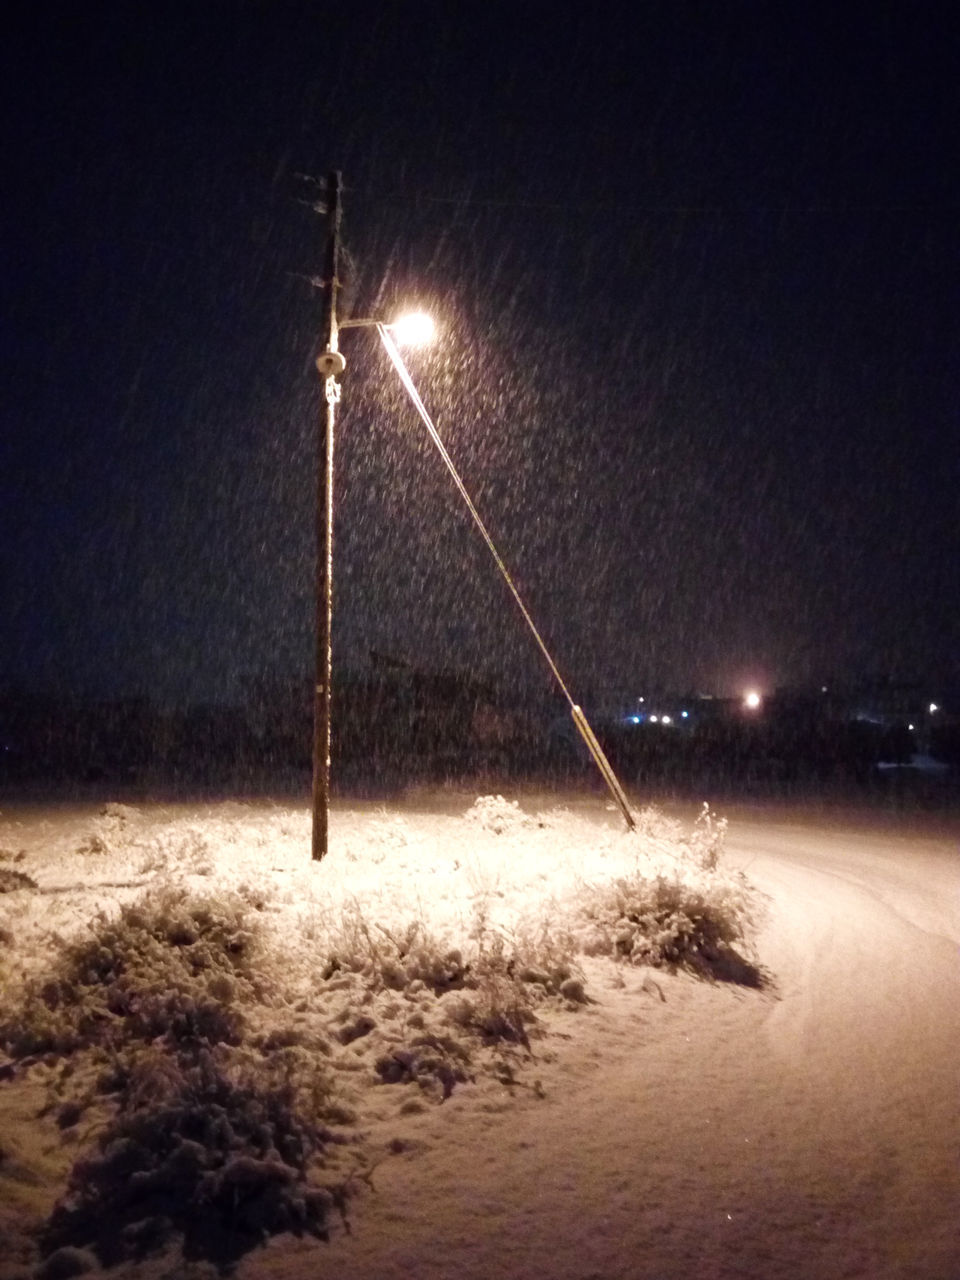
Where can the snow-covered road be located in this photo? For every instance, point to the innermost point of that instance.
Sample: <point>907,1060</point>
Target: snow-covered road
<point>809,1132</point>
<point>863,934</point>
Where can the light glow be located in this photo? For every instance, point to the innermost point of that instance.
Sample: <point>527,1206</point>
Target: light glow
<point>413,330</point>
<point>751,700</point>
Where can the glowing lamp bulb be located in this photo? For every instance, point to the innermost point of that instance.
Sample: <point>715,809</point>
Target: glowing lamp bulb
<point>414,330</point>
<point>751,700</point>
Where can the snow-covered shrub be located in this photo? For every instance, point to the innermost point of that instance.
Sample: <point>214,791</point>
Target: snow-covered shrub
<point>400,956</point>
<point>183,848</point>
<point>435,1062</point>
<point>539,955</point>
<point>122,815</point>
<point>11,881</point>
<point>219,1155</point>
<point>498,1008</point>
<point>499,979</point>
<point>500,816</point>
<point>168,965</point>
<point>659,835</point>
<point>707,837</point>
<point>684,916</point>
<point>395,957</point>
<point>93,844</point>
<point>112,829</point>
<point>511,975</point>
<point>386,835</point>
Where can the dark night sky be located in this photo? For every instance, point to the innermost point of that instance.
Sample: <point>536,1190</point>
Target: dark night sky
<point>697,271</point>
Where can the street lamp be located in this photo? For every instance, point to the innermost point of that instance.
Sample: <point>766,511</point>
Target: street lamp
<point>416,328</point>
<point>412,329</point>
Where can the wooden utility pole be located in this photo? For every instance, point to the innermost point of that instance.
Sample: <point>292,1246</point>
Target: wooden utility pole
<point>330,364</point>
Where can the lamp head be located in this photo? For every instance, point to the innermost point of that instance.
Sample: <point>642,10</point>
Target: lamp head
<point>413,330</point>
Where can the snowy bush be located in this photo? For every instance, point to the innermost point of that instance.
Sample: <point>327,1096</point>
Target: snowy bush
<point>506,974</point>
<point>112,829</point>
<point>213,1131</point>
<point>515,972</point>
<point>494,813</point>
<point>218,1156</point>
<point>661,836</point>
<point>707,838</point>
<point>427,1059</point>
<point>181,849</point>
<point>12,881</point>
<point>167,965</point>
<point>121,815</point>
<point>685,916</point>
<point>392,957</point>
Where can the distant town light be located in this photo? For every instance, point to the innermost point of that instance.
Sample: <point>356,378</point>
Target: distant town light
<point>934,707</point>
<point>654,719</point>
<point>667,720</point>
<point>751,700</point>
<point>685,714</point>
<point>910,727</point>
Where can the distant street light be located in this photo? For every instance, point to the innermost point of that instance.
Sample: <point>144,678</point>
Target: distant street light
<point>413,329</point>
<point>751,700</point>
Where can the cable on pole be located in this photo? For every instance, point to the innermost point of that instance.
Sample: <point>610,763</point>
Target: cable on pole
<point>579,719</point>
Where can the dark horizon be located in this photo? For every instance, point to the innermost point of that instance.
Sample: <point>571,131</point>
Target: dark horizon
<point>696,278</point>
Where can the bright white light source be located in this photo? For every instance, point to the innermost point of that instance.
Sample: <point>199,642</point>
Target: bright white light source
<point>934,707</point>
<point>667,720</point>
<point>413,330</point>
<point>751,699</point>
<point>685,714</point>
<point>654,719</point>
<point>910,727</point>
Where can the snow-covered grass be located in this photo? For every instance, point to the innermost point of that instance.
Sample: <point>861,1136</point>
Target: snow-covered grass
<point>215,1018</point>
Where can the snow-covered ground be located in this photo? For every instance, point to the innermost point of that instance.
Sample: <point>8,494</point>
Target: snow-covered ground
<point>664,1126</point>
